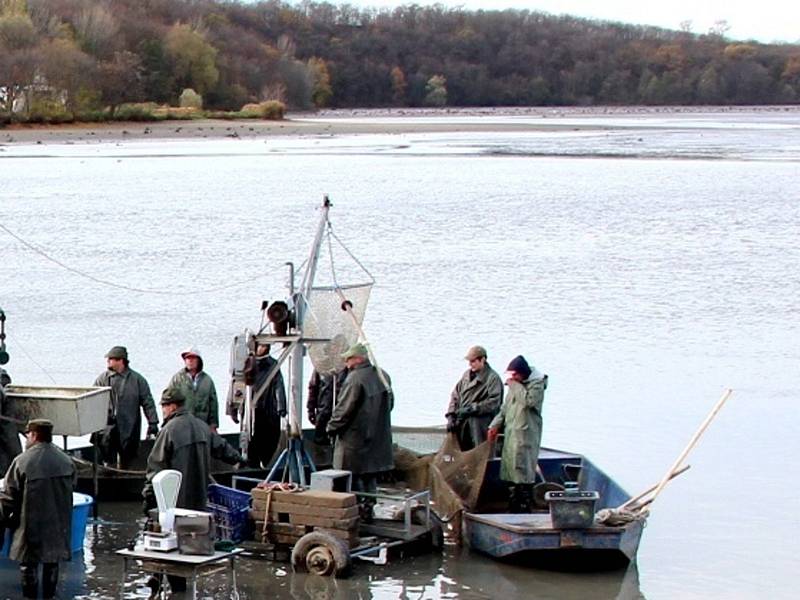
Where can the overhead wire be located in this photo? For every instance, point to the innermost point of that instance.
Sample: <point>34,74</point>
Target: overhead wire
<point>129,288</point>
<point>33,360</point>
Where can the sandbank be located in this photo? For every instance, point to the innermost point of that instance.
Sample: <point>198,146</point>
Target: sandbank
<point>353,122</point>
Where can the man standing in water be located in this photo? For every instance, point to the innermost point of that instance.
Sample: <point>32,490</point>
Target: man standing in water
<point>361,423</point>
<point>37,506</point>
<point>520,418</point>
<point>118,443</point>
<point>197,388</point>
<point>475,400</point>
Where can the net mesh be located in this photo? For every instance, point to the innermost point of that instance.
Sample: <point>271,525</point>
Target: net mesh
<point>325,319</point>
<point>454,477</point>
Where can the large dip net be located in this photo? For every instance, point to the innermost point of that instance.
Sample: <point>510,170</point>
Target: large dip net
<point>327,318</point>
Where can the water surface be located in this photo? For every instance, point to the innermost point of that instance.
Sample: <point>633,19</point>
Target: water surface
<point>645,266</point>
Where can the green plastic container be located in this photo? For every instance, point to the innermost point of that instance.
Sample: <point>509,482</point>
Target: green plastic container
<point>572,509</point>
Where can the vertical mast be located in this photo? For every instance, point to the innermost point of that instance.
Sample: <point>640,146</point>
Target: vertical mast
<point>296,359</point>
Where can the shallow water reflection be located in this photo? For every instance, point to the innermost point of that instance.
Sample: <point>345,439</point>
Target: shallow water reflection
<point>456,573</point>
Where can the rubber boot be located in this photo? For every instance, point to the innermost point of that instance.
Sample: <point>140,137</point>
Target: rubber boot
<point>49,580</point>
<point>154,583</point>
<point>30,579</point>
<point>514,500</point>
<point>525,492</point>
<point>365,512</point>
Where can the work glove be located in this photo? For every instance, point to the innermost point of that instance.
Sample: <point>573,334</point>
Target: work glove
<point>152,430</point>
<point>312,417</point>
<point>452,422</point>
<point>467,411</point>
<point>492,434</point>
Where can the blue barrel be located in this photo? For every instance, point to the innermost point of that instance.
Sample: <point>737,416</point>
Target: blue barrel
<point>81,509</point>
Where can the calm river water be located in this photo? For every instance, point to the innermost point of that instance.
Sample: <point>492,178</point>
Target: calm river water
<point>645,265</point>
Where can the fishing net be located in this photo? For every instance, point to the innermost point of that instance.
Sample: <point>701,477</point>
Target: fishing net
<point>326,319</point>
<point>453,477</point>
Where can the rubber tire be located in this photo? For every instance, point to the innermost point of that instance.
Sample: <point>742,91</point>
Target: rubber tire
<point>334,551</point>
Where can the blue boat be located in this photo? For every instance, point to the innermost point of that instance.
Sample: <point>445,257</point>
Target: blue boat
<point>532,539</point>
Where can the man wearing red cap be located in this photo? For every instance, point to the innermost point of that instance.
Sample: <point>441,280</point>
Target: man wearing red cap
<point>197,387</point>
<point>520,418</point>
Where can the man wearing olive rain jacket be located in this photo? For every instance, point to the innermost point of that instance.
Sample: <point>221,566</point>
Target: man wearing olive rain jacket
<point>362,425</point>
<point>475,400</point>
<point>37,506</point>
<point>197,387</point>
<point>520,418</point>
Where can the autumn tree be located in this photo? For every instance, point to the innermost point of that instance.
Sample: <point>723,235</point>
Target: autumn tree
<point>119,80</point>
<point>66,69</point>
<point>399,86</point>
<point>321,88</point>
<point>18,40</point>
<point>436,91</point>
<point>193,59</point>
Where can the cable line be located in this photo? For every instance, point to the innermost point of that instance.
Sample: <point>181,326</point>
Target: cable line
<point>128,288</point>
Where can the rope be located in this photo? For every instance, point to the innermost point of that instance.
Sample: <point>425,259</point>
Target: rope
<point>271,487</point>
<point>331,234</point>
<point>128,288</point>
<point>86,463</point>
<point>614,517</point>
<point>33,360</point>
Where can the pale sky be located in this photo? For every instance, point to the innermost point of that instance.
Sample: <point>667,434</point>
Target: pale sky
<point>762,20</point>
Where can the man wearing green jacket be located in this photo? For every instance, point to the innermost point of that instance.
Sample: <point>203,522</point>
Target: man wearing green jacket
<point>197,388</point>
<point>520,419</point>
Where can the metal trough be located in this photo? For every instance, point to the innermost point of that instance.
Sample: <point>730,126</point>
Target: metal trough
<point>73,410</point>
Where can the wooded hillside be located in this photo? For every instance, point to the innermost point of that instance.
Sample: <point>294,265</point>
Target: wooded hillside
<point>93,55</point>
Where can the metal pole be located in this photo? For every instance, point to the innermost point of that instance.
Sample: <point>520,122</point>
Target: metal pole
<point>296,364</point>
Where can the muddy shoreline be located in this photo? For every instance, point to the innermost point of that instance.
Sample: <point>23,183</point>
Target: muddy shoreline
<point>352,122</point>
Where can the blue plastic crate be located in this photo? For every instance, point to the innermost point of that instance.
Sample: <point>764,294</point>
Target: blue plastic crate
<point>231,510</point>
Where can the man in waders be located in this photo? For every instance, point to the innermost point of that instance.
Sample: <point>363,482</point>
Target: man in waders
<point>37,506</point>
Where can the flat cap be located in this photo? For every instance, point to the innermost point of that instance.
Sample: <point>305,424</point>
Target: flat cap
<point>43,425</point>
<point>355,350</point>
<point>118,352</point>
<point>475,352</point>
<point>172,396</point>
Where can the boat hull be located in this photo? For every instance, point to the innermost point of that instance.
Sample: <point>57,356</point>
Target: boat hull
<point>531,539</point>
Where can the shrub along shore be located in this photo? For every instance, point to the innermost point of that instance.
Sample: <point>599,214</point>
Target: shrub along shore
<point>356,121</point>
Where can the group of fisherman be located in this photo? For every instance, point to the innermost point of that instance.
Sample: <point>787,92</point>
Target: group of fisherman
<point>353,407</point>
<point>477,413</point>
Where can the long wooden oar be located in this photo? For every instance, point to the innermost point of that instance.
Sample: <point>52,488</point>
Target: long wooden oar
<point>691,443</point>
<point>636,499</point>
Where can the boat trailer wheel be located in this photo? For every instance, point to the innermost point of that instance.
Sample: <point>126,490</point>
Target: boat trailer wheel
<point>322,554</point>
